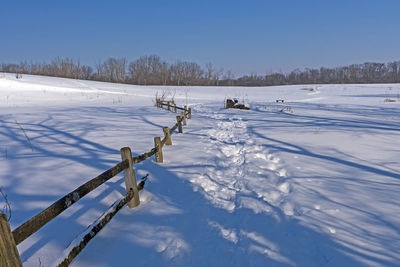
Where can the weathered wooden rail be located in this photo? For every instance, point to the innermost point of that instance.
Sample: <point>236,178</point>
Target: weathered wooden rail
<point>171,105</point>
<point>9,255</point>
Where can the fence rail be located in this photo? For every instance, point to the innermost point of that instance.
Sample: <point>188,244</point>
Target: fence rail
<point>9,255</point>
<point>171,104</point>
<point>35,223</point>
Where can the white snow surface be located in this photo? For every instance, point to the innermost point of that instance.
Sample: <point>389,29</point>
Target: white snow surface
<point>313,181</point>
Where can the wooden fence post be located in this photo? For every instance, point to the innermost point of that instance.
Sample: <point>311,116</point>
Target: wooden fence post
<point>130,177</point>
<point>183,117</point>
<point>9,255</point>
<point>178,119</point>
<point>167,135</point>
<point>190,113</point>
<point>158,146</point>
<point>169,107</point>
<point>175,108</point>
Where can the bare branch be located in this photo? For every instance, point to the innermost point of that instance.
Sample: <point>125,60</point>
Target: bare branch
<point>7,206</point>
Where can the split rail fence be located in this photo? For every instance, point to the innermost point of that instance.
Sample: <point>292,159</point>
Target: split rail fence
<point>9,255</point>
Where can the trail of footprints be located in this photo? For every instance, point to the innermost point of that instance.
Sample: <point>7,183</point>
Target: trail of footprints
<point>243,174</point>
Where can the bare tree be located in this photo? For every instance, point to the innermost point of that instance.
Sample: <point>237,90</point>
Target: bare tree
<point>152,70</point>
<point>176,73</point>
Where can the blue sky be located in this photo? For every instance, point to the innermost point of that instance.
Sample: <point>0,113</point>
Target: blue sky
<point>244,36</point>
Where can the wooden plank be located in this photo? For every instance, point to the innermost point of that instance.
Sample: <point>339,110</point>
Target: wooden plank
<point>163,142</point>
<point>183,118</point>
<point>36,222</point>
<point>158,146</point>
<point>9,256</point>
<point>100,225</point>
<point>167,136</point>
<point>174,128</point>
<point>130,177</point>
<point>143,156</point>
<point>179,120</point>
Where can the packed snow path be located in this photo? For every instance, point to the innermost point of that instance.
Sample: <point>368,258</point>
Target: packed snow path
<point>242,169</point>
<point>311,182</point>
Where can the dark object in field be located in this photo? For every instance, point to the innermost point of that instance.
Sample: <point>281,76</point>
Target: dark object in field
<point>279,100</point>
<point>229,103</point>
<point>234,104</point>
<point>241,106</point>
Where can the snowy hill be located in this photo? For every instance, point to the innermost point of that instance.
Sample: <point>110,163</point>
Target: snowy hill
<point>313,181</point>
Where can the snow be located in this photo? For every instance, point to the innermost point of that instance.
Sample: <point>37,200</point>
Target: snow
<point>313,181</point>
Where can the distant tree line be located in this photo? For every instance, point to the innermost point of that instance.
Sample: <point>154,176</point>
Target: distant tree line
<point>152,70</point>
<point>357,73</point>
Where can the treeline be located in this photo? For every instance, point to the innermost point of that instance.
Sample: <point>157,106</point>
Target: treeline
<point>147,70</point>
<point>357,73</point>
<point>152,70</point>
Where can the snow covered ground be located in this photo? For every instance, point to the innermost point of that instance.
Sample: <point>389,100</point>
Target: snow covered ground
<point>313,181</point>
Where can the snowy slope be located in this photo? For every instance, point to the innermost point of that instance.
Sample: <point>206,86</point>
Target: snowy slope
<point>314,181</point>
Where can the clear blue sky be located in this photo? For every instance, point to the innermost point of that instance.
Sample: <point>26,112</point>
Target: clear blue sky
<point>245,36</point>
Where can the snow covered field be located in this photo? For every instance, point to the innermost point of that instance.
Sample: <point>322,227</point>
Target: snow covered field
<point>314,181</point>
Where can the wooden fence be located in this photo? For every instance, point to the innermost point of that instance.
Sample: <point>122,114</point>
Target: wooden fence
<point>171,106</point>
<point>9,240</point>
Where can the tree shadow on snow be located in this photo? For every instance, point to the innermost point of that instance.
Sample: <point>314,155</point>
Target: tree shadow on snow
<point>176,226</point>
<point>58,142</point>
